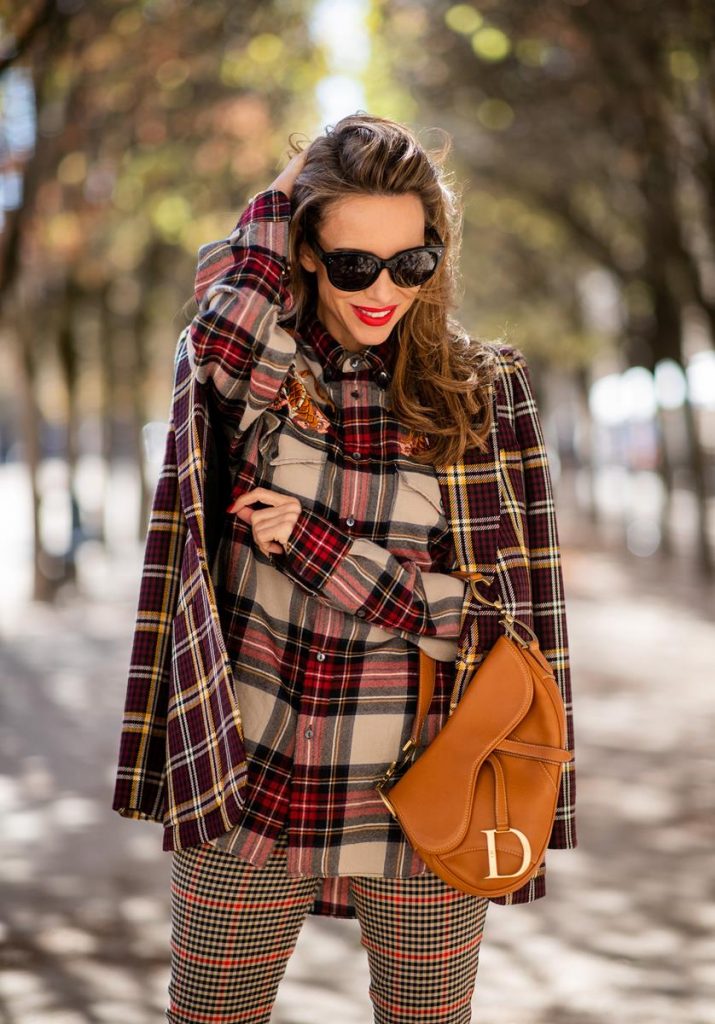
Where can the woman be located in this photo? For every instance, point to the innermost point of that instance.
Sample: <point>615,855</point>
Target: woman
<point>324,378</point>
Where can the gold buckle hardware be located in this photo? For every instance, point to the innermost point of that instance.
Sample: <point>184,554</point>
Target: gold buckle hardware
<point>508,623</point>
<point>387,803</point>
<point>408,746</point>
<point>386,777</point>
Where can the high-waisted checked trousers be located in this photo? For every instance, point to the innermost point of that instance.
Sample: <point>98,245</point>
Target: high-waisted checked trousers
<point>234,927</point>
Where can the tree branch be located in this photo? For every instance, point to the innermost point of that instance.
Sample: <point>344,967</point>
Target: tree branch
<point>14,45</point>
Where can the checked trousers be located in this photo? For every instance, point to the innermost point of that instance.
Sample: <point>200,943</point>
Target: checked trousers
<point>234,927</point>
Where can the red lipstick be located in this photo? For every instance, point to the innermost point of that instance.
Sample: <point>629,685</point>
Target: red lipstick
<point>375,317</point>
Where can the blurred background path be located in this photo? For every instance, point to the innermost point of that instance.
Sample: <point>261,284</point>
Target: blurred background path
<point>625,932</point>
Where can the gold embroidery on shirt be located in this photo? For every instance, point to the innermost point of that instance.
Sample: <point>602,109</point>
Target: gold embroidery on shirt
<point>301,408</point>
<point>413,443</point>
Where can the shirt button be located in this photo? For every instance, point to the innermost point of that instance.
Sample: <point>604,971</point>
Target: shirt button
<point>308,732</point>
<point>355,362</point>
<point>383,377</point>
<point>320,656</point>
<point>360,613</point>
<point>355,394</point>
<point>350,521</point>
<point>357,455</point>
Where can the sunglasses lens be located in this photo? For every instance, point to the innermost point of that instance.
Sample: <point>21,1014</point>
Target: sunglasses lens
<point>415,268</point>
<point>352,271</point>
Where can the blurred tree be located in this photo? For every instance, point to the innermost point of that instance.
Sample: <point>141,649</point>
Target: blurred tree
<point>590,128</point>
<point>155,120</point>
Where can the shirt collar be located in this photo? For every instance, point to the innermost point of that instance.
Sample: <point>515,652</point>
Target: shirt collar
<point>331,354</point>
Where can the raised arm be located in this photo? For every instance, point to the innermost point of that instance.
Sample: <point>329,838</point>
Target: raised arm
<point>235,345</point>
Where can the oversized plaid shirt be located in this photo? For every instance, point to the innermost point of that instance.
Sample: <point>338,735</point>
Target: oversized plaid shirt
<point>324,640</point>
<point>330,629</point>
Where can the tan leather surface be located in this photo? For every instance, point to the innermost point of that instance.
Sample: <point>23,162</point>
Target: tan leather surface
<point>496,764</point>
<point>427,680</point>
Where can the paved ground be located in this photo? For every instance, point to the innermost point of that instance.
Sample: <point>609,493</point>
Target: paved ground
<point>626,933</point>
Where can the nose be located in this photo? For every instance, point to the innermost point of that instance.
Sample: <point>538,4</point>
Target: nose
<point>382,289</point>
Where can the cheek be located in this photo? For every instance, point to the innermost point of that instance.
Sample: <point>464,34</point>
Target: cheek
<point>408,302</point>
<point>327,294</point>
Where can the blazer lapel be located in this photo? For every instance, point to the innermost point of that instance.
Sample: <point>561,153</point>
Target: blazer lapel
<point>193,437</point>
<point>471,496</point>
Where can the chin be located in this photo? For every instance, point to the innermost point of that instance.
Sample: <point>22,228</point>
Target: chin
<point>369,335</point>
<point>373,337</point>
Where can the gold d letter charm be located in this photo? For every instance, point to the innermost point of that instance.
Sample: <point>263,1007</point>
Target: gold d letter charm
<point>492,851</point>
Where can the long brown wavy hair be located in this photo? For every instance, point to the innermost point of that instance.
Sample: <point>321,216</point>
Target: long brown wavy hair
<point>441,377</point>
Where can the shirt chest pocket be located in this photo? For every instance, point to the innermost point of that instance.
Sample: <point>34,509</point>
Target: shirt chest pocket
<point>418,501</point>
<point>295,466</point>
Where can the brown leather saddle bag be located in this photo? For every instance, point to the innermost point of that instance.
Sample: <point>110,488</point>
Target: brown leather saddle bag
<point>478,804</point>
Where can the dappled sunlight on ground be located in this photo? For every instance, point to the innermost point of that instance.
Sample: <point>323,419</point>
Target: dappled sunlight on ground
<point>624,934</point>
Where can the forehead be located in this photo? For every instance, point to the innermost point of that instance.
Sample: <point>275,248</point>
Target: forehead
<point>379,224</point>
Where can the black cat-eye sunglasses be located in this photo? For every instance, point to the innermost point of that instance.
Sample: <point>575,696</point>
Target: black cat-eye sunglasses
<point>351,270</point>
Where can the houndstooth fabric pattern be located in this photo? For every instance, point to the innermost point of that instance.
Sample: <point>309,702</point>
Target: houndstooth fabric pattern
<point>234,927</point>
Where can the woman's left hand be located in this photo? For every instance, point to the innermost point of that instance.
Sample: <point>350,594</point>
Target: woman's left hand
<point>271,526</point>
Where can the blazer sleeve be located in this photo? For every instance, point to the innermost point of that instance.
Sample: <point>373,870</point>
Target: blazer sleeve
<point>547,588</point>
<point>235,345</point>
<point>140,782</point>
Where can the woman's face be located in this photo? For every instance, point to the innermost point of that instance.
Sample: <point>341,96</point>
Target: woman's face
<point>382,225</point>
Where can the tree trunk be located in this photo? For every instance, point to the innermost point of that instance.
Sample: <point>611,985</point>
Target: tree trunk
<point>108,403</point>
<point>68,363</point>
<point>47,36</point>
<point>148,273</point>
<point>668,344</point>
<point>665,472</point>
<point>699,478</point>
<point>42,586</point>
<point>583,384</point>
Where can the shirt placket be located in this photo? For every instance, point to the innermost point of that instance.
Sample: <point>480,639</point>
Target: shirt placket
<point>311,719</point>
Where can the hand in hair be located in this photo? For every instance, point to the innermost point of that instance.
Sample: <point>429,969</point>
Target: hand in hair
<point>285,180</point>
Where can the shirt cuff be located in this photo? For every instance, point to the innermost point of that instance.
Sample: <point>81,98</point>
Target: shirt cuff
<point>269,205</point>
<point>313,550</point>
<point>255,253</point>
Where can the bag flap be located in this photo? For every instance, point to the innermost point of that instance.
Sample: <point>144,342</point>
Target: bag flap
<point>433,798</point>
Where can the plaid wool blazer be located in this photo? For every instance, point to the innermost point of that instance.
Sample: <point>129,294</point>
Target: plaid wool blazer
<point>182,760</point>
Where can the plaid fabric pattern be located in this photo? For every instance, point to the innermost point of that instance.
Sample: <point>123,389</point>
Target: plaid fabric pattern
<point>234,928</point>
<point>324,639</point>
<point>182,758</point>
<point>500,505</point>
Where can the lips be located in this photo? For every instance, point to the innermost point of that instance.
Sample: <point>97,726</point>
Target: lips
<point>375,317</point>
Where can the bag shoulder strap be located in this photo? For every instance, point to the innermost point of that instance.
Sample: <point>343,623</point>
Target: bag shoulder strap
<point>428,664</point>
<point>428,669</point>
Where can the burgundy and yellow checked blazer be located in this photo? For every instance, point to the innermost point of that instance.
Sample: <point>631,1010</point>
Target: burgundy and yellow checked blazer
<point>181,758</point>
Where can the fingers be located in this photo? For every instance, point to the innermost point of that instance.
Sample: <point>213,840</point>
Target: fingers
<point>297,159</point>
<point>267,535</point>
<point>271,527</point>
<point>261,494</point>
<point>286,179</point>
<point>275,519</point>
